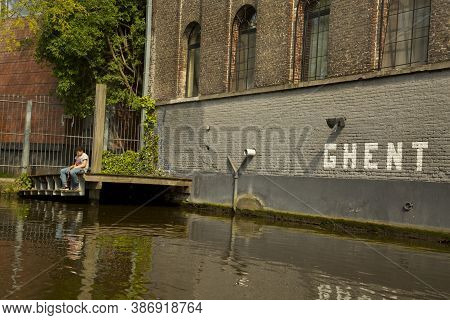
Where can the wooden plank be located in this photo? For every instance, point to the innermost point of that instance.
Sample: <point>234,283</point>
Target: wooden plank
<point>159,181</point>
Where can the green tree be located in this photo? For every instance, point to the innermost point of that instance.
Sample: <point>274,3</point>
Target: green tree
<point>85,42</point>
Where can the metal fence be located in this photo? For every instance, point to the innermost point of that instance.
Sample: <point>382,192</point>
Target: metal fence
<point>36,135</point>
<point>12,115</point>
<point>122,130</point>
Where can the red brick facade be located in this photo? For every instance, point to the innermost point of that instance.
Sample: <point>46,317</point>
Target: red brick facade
<point>353,45</point>
<point>20,74</point>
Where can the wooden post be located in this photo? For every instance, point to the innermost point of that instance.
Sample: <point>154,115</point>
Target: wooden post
<point>26,138</point>
<point>99,128</point>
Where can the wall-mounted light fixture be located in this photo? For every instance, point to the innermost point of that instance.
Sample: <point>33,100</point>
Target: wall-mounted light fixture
<point>336,123</point>
<point>249,152</point>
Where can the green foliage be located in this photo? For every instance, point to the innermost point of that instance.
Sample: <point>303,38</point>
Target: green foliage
<point>23,182</point>
<point>130,163</point>
<point>87,42</point>
<point>148,105</point>
<point>6,175</point>
<point>144,162</point>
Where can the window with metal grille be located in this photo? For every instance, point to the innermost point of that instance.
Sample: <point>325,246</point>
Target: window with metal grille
<point>193,62</point>
<point>246,49</point>
<point>406,33</point>
<point>315,40</point>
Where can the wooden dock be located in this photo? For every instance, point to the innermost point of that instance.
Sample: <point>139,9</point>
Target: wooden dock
<point>90,184</point>
<point>157,181</point>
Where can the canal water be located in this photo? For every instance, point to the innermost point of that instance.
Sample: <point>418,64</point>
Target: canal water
<point>62,251</point>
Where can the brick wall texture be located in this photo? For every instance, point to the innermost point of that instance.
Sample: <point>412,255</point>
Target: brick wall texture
<point>403,117</point>
<point>352,48</point>
<point>352,38</point>
<point>289,130</point>
<point>439,31</point>
<point>21,75</point>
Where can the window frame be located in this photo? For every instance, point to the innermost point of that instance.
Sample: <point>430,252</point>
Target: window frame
<point>307,35</point>
<point>385,44</point>
<point>245,23</point>
<point>192,47</point>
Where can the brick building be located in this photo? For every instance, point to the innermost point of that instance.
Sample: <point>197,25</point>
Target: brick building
<point>356,34</point>
<point>20,74</point>
<point>22,78</point>
<point>232,74</point>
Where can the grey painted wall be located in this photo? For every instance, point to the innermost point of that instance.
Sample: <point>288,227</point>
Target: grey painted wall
<point>365,200</point>
<point>289,131</point>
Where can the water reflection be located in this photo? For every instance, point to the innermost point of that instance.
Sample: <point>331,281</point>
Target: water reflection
<point>59,251</point>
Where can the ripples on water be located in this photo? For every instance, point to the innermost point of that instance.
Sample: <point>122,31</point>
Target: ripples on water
<point>56,251</point>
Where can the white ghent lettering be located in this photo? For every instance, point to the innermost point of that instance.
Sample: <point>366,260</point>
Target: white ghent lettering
<point>329,162</point>
<point>419,146</point>
<point>393,153</point>
<point>394,156</point>
<point>350,156</point>
<point>368,164</point>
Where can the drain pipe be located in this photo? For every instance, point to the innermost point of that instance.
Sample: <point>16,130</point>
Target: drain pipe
<point>235,182</point>
<point>147,60</point>
<point>249,153</point>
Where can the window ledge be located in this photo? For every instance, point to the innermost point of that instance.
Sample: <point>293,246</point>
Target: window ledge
<point>182,100</point>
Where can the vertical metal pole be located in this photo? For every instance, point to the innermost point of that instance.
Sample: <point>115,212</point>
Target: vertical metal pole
<point>99,128</point>
<point>235,183</point>
<point>235,190</point>
<point>26,138</point>
<point>106,134</point>
<point>147,59</point>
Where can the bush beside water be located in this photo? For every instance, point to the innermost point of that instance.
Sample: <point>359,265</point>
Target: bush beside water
<point>23,182</point>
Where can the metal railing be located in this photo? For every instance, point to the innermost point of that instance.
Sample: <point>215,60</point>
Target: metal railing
<point>122,130</point>
<point>55,136</point>
<point>36,136</point>
<point>12,119</point>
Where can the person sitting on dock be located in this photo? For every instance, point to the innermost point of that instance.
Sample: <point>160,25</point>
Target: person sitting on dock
<point>80,166</point>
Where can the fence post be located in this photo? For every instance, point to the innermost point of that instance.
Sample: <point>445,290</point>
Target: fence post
<point>26,138</point>
<point>99,128</point>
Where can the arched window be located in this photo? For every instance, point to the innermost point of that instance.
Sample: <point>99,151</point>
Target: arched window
<point>244,49</point>
<point>406,33</point>
<point>315,40</point>
<point>193,62</point>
